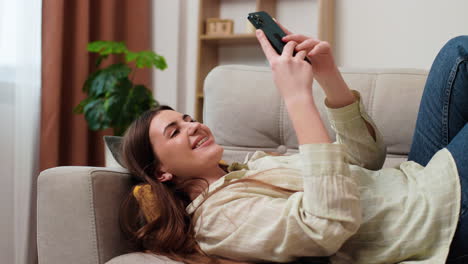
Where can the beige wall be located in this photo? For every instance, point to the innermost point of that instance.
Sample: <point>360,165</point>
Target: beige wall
<point>369,34</point>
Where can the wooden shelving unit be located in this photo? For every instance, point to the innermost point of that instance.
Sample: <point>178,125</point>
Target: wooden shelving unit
<point>208,45</point>
<point>234,39</point>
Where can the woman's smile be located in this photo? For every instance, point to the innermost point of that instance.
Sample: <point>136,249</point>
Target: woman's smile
<point>206,141</point>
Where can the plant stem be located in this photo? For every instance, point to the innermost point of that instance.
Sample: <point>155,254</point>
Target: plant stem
<point>133,76</point>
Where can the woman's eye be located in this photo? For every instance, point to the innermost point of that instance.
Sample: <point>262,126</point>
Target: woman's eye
<point>190,119</point>
<point>174,133</point>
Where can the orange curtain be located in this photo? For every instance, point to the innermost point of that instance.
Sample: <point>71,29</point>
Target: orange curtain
<point>67,27</point>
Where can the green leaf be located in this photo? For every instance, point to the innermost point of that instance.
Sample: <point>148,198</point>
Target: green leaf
<point>107,79</point>
<point>105,48</point>
<point>95,115</point>
<point>91,77</point>
<point>131,56</point>
<point>80,107</point>
<point>139,100</point>
<point>146,59</point>
<point>113,107</point>
<point>116,101</point>
<point>100,59</point>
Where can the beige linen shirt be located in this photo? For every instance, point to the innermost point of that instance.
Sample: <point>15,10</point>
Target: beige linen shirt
<point>343,207</point>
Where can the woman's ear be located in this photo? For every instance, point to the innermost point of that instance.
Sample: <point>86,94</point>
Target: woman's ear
<point>164,176</point>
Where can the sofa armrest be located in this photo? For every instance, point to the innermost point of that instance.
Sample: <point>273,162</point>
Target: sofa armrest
<point>77,214</point>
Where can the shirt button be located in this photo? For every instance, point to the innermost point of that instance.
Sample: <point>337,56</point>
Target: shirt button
<point>282,149</point>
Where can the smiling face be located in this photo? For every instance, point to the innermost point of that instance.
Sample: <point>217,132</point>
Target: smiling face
<point>185,147</point>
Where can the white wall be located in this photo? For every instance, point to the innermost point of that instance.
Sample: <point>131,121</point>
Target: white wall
<point>369,34</point>
<point>175,37</point>
<point>396,33</point>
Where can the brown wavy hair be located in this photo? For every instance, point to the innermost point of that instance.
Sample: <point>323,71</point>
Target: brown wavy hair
<point>172,233</point>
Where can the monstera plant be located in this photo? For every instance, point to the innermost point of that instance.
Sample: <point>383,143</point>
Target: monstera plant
<point>113,99</point>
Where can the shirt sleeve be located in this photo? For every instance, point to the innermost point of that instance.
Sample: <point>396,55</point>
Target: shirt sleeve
<point>248,225</point>
<point>351,131</point>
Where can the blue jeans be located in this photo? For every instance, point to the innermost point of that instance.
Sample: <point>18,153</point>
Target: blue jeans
<point>442,123</point>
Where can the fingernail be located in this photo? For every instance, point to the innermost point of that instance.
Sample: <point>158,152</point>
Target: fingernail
<point>258,32</point>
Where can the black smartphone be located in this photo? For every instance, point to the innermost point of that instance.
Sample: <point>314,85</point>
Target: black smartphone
<point>262,20</point>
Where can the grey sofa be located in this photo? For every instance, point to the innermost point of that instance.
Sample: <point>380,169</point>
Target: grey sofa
<point>78,206</point>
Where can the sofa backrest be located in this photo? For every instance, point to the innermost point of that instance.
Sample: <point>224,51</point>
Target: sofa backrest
<point>245,111</point>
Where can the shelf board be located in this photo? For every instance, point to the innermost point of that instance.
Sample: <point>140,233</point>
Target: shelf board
<point>230,39</point>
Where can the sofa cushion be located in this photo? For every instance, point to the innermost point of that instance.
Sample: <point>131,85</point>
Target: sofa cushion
<point>113,144</point>
<point>246,113</point>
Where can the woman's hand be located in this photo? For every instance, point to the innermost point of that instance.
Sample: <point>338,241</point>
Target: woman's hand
<point>324,68</point>
<point>292,75</point>
<point>318,52</point>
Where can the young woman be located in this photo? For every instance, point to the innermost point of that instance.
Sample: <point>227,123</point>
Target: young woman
<point>330,199</point>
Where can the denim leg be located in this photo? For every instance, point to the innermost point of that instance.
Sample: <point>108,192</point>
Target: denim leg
<point>442,119</point>
<point>458,147</point>
<point>444,109</point>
